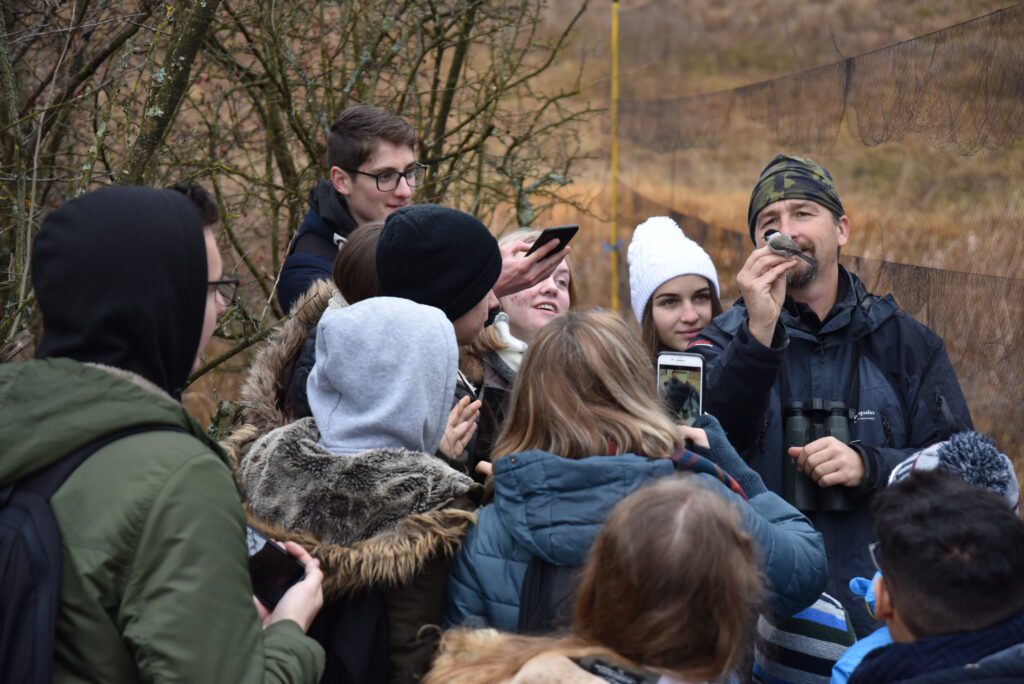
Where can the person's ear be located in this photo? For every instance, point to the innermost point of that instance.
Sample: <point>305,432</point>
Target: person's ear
<point>883,600</point>
<point>341,181</point>
<point>843,228</point>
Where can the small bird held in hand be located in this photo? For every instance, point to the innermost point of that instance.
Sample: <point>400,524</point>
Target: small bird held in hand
<point>783,245</point>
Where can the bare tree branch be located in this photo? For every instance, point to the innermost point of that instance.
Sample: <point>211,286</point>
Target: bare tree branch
<point>163,102</point>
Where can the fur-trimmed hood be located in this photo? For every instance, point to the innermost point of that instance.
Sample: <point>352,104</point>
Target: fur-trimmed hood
<point>292,479</point>
<point>391,557</point>
<point>373,518</point>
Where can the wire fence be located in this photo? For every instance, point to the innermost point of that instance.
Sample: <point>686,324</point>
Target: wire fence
<point>960,87</point>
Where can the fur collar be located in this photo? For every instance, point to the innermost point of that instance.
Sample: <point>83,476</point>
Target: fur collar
<point>391,557</point>
<point>262,390</point>
<point>350,504</point>
<point>290,478</point>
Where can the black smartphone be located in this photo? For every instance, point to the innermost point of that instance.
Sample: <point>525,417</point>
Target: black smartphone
<point>561,233</point>
<point>273,570</point>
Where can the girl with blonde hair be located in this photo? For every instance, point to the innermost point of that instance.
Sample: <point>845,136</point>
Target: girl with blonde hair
<point>493,359</point>
<point>585,429</point>
<point>688,621</point>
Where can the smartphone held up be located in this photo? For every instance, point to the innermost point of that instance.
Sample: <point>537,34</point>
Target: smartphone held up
<point>561,233</point>
<point>681,384</point>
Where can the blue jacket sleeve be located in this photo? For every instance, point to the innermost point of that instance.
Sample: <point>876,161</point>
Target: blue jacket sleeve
<point>853,656</point>
<point>298,273</point>
<point>740,374</point>
<point>937,410</point>
<point>792,551</point>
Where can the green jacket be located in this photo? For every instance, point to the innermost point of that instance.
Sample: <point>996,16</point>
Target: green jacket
<point>155,581</point>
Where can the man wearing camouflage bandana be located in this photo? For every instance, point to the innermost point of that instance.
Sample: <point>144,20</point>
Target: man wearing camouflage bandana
<point>804,332</point>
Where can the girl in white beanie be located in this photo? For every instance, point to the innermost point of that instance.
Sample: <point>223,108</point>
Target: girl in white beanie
<point>673,285</point>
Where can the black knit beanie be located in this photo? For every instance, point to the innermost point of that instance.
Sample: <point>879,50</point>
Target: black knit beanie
<point>437,256</point>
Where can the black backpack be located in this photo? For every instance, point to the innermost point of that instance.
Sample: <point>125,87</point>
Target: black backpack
<point>30,565</point>
<point>546,598</point>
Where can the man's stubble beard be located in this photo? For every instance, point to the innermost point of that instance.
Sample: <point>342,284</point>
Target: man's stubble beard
<point>803,278</point>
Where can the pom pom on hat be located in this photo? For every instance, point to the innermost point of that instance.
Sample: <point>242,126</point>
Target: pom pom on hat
<point>659,252</point>
<point>970,455</point>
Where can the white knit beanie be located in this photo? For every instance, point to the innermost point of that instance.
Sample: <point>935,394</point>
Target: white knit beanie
<point>658,252</point>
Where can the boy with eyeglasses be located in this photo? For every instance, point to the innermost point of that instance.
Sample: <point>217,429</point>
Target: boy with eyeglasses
<point>372,170</point>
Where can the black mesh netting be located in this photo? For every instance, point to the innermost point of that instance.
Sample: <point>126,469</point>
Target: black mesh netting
<point>961,86</point>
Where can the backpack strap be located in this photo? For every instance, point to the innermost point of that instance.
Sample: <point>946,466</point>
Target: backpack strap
<point>319,246</point>
<point>546,598</point>
<point>46,482</point>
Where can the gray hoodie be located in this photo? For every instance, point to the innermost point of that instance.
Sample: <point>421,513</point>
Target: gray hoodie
<point>384,376</point>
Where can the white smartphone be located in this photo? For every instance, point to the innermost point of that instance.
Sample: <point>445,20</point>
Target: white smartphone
<point>686,395</point>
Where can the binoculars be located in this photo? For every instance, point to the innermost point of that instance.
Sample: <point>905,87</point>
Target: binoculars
<point>805,422</point>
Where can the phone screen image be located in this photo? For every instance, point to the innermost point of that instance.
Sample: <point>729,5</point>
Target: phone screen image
<point>684,395</point>
<point>272,569</point>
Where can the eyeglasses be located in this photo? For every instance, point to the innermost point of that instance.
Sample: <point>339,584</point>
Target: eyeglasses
<point>387,181</point>
<point>876,553</point>
<point>227,288</point>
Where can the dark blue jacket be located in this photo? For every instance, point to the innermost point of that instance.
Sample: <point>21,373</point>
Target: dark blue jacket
<point>554,507</point>
<point>907,397</point>
<point>1004,667</point>
<point>325,227</point>
<point>994,654</point>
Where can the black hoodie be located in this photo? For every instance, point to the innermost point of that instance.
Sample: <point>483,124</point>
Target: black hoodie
<point>120,275</point>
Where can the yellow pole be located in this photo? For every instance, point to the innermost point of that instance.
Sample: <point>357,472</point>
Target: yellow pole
<point>615,157</point>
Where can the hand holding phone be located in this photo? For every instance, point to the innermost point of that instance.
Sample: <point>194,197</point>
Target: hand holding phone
<point>287,578</point>
<point>272,568</point>
<point>521,271</point>
<point>561,233</point>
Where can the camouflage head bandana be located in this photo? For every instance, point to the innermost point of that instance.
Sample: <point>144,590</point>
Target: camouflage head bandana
<point>788,177</point>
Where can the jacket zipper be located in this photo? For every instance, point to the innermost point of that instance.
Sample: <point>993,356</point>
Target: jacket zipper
<point>945,414</point>
<point>764,429</point>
